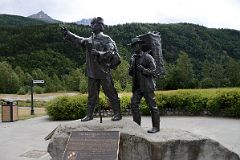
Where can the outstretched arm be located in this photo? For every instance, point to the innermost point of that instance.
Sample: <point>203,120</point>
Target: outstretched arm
<point>72,37</point>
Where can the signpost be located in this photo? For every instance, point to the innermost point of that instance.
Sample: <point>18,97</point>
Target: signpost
<point>37,81</point>
<point>92,145</point>
<point>32,83</point>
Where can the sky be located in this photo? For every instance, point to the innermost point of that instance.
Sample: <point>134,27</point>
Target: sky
<point>209,13</point>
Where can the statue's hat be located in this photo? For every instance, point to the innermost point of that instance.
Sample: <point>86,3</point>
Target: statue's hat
<point>135,40</point>
<point>97,20</point>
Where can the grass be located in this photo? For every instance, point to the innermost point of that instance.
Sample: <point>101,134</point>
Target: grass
<point>205,92</point>
<point>27,103</point>
<point>25,112</point>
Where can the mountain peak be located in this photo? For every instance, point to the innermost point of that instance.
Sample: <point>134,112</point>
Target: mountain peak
<point>84,21</point>
<point>41,12</point>
<point>43,17</point>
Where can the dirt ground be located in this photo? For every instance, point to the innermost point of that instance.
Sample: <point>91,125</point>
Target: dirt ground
<point>24,112</point>
<point>39,97</point>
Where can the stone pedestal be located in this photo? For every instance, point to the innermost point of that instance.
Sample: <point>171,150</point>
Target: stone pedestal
<point>137,144</point>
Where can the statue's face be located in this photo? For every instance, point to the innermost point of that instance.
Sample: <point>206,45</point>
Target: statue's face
<point>137,47</point>
<point>96,27</point>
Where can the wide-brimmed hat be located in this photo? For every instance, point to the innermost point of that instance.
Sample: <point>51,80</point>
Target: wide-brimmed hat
<point>97,20</point>
<point>135,40</point>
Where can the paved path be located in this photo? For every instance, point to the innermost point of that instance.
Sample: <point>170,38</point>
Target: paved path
<point>37,97</point>
<point>22,139</point>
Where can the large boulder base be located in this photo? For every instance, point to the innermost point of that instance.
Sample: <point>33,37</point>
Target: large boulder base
<point>137,144</point>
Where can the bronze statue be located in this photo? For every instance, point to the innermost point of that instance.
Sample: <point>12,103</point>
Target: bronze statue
<point>101,56</point>
<point>143,70</point>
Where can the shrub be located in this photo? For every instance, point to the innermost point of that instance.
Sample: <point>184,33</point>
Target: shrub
<point>83,86</point>
<point>38,89</point>
<point>181,101</point>
<point>230,103</point>
<point>22,91</point>
<point>194,102</point>
<point>125,102</point>
<point>224,102</point>
<point>213,105</point>
<point>66,107</point>
<point>103,102</point>
<point>144,108</point>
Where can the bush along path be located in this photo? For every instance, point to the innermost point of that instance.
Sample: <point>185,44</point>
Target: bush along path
<point>211,102</point>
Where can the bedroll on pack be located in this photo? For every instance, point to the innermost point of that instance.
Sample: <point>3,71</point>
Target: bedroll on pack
<point>152,45</point>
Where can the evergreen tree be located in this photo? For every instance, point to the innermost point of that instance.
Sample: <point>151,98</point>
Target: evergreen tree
<point>38,74</point>
<point>233,72</point>
<point>27,79</point>
<point>53,84</point>
<point>21,75</point>
<point>214,74</point>
<point>9,81</point>
<point>184,69</point>
<point>170,81</point>
<point>58,85</point>
<point>121,76</point>
<point>218,75</point>
<point>49,85</point>
<point>207,80</point>
<point>72,80</point>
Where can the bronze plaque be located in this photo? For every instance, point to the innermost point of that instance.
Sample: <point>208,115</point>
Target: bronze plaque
<point>92,145</point>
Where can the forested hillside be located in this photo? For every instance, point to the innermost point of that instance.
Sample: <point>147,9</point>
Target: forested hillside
<point>17,21</point>
<point>195,56</point>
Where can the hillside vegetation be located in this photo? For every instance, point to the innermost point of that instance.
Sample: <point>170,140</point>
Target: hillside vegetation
<point>195,56</point>
<point>17,21</point>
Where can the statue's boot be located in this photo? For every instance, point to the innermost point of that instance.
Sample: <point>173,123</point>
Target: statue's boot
<point>136,116</point>
<point>89,115</point>
<point>155,122</point>
<point>116,111</point>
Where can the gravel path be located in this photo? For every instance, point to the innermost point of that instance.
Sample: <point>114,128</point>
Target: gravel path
<point>40,97</point>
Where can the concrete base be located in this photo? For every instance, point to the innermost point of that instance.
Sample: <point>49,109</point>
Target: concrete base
<point>137,144</point>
